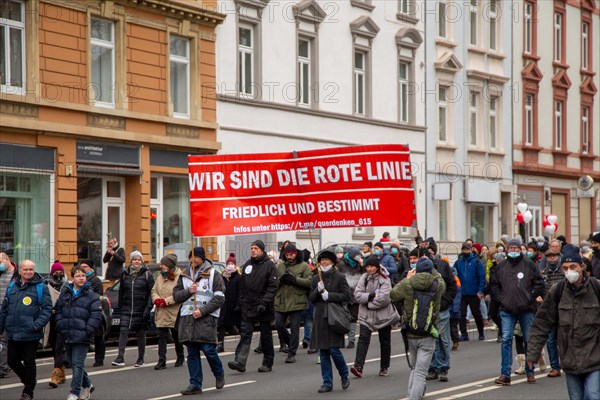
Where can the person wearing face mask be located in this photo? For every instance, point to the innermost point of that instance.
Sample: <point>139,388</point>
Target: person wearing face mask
<point>385,259</point>
<point>166,310</point>
<point>596,256</point>
<point>351,266</point>
<point>471,274</point>
<point>401,261</point>
<point>230,319</point>
<point>96,286</point>
<point>56,282</point>
<point>586,249</point>
<point>339,253</point>
<point>533,253</point>
<point>515,284</point>
<point>500,246</point>
<point>7,274</point>
<point>367,249</point>
<point>572,308</point>
<point>494,258</point>
<point>329,286</point>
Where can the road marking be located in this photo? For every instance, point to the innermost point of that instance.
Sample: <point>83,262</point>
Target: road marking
<point>170,396</point>
<point>485,389</point>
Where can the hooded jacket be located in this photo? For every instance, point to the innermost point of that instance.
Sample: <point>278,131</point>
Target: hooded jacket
<point>577,319</point>
<point>135,298</point>
<point>79,315</point>
<point>293,297</point>
<point>471,273</point>
<point>352,274</point>
<point>21,315</point>
<point>163,289</point>
<point>258,287</point>
<point>405,290</point>
<point>515,284</point>
<point>379,312</point>
<point>386,259</point>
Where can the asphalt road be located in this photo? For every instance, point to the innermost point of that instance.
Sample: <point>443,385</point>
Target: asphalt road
<point>473,369</point>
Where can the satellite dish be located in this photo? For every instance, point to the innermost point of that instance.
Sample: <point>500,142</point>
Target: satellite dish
<point>585,182</point>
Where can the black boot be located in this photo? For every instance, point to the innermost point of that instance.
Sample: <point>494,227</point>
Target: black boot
<point>221,347</point>
<point>162,364</point>
<point>180,360</point>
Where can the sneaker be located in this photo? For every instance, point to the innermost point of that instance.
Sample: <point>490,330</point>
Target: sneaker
<point>350,345</point>
<point>161,364</point>
<point>139,363</point>
<point>499,338</point>
<point>191,390</point>
<point>72,396</point>
<point>236,366</point>
<point>284,349</point>
<point>325,389</point>
<point>179,361</point>
<point>311,351</point>
<point>530,378</point>
<point>383,372</point>
<point>304,345</point>
<point>345,382</point>
<point>258,350</point>
<point>119,362</point>
<point>86,392</point>
<point>554,373</point>
<point>482,336</point>
<point>464,338</point>
<point>357,371</point>
<point>443,376</point>
<point>98,364</point>
<point>265,368</point>
<point>290,359</point>
<point>432,375</point>
<point>455,346</point>
<point>220,382</point>
<point>26,396</point>
<point>502,380</point>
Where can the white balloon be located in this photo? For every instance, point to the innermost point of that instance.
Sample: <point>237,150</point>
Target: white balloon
<point>552,219</point>
<point>550,229</point>
<point>522,207</point>
<point>527,217</point>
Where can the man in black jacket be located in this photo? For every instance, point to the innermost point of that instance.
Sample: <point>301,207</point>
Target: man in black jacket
<point>596,257</point>
<point>257,300</point>
<point>515,284</point>
<point>440,362</point>
<point>96,286</point>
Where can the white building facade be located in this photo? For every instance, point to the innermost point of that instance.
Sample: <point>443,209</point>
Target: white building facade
<point>556,128</point>
<point>468,51</point>
<point>299,75</point>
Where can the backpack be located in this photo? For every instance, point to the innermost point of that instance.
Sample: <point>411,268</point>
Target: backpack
<point>421,322</point>
<point>39,288</point>
<point>561,287</point>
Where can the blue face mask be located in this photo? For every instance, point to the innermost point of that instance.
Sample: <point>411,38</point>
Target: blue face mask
<point>377,252</point>
<point>585,249</point>
<point>529,254</point>
<point>2,267</point>
<point>540,244</point>
<point>514,254</point>
<point>413,266</point>
<point>164,273</point>
<point>394,250</point>
<point>89,274</point>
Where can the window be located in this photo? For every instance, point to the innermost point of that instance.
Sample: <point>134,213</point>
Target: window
<point>179,56</point>
<point>493,16</point>
<point>558,37</point>
<point>103,61</point>
<point>304,76</point>
<point>585,130</point>
<point>403,87</point>
<point>246,60</point>
<point>359,82</point>
<point>585,29</point>
<point>12,40</point>
<point>473,22</point>
<point>528,119</point>
<point>442,110</point>
<point>405,6</point>
<point>558,124</point>
<point>528,33</point>
<point>441,15</point>
<point>493,122</point>
<point>473,119</point>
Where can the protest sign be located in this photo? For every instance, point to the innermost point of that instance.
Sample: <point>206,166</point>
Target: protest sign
<point>328,188</point>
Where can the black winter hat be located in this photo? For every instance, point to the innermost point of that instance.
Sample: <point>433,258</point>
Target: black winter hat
<point>570,253</point>
<point>596,237</point>
<point>372,260</point>
<point>327,254</point>
<point>370,244</point>
<point>169,260</point>
<point>424,265</point>
<point>290,248</point>
<point>198,252</point>
<point>414,252</point>
<point>378,244</point>
<point>260,244</point>
<point>533,245</point>
<point>432,244</point>
<point>87,261</point>
<point>352,252</point>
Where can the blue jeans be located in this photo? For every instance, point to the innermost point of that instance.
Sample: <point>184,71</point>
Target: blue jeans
<point>194,365</point>
<point>440,362</point>
<point>75,354</point>
<point>307,318</point>
<point>326,368</point>
<point>508,326</point>
<point>553,350</point>
<point>584,386</point>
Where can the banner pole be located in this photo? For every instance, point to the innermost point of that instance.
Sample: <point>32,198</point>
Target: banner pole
<point>313,247</point>
<point>192,261</point>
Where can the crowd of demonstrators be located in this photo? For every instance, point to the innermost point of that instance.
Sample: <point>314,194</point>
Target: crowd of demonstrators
<point>52,337</point>
<point>78,316</point>
<point>26,309</point>
<point>230,319</point>
<point>167,310</point>
<point>201,292</point>
<point>135,301</point>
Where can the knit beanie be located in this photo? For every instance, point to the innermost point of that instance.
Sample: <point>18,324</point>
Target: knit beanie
<point>135,254</point>
<point>169,260</point>
<point>199,252</point>
<point>372,260</point>
<point>514,242</point>
<point>231,259</point>
<point>260,244</point>
<point>424,265</point>
<point>570,253</point>
<point>57,266</point>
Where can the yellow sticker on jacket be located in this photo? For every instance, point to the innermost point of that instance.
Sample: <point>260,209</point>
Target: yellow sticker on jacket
<point>27,300</point>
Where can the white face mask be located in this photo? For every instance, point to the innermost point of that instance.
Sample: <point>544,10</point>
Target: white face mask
<point>325,269</point>
<point>572,276</point>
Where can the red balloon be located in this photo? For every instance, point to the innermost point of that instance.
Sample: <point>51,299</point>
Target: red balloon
<point>520,218</point>
<point>545,223</point>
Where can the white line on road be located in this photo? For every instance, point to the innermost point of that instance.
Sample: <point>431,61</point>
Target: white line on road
<point>170,396</point>
<point>485,389</point>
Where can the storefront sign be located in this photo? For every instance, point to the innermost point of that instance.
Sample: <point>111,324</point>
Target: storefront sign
<point>327,188</point>
<point>108,153</point>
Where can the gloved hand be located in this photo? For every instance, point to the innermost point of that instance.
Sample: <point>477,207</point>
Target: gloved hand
<point>146,316</point>
<point>320,286</point>
<point>162,303</point>
<point>371,296</point>
<point>288,279</point>
<point>261,309</point>
<point>325,295</point>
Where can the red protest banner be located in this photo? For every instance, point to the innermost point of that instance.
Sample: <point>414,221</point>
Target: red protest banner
<point>328,188</point>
